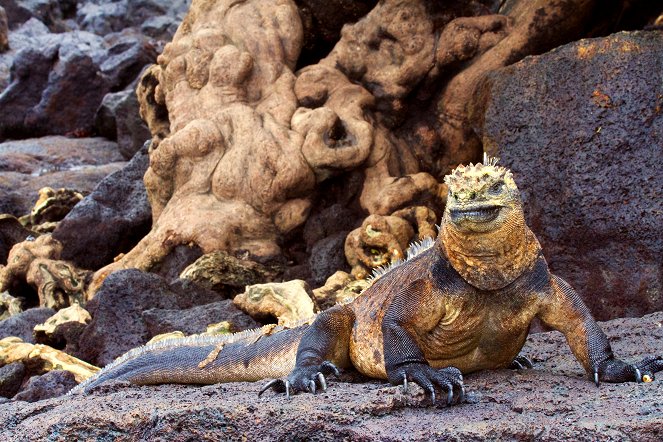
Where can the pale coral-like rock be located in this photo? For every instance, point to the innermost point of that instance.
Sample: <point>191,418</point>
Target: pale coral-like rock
<point>9,305</point>
<point>46,358</point>
<point>289,302</point>
<point>224,273</point>
<point>53,205</point>
<point>74,313</point>
<point>340,288</point>
<point>36,261</point>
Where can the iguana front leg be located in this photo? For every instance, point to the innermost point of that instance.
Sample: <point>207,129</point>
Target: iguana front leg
<point>565,311</point>
<point>416,308</point>
<point>323,348</point>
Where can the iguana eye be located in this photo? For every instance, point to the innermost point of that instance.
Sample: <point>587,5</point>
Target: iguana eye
<point>496,188</point>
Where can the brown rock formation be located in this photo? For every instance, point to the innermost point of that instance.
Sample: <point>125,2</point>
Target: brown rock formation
<point>244,148</point>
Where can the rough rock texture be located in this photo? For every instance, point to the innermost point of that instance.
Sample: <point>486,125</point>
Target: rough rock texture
<point>63,330</point>
<point>582,129</point>
<point>28,165</point>
<point>11,232</point>
<point>77,68</point>
<point>36,262</point>
<point>196,319</point>
<point>22,325</point>
<point>289,302</point>
<point>110,220</point>
<point>52,384</point>
<point>103,17</point>
<point>551,403</point>
<point>11,376</point>
<point>117,119</point>
<point>117,312</point>
<point>226,274</point>
<point>245,148</point>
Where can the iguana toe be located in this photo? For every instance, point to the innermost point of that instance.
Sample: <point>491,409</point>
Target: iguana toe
<point>308,378</point>
<point>521,362</point>
<point>447,379</point>
<point>614,370</point>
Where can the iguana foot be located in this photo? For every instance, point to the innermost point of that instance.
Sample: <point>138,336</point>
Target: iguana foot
<point>521,362</point>
<point>308,378</point>
<point>614,370</point>
<point>448,379</point>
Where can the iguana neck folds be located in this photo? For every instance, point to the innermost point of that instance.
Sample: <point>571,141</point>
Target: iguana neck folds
<point>491,260</point>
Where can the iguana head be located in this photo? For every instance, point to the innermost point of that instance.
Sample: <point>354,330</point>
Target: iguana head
<point>482,197</point>
<point>483,233</point>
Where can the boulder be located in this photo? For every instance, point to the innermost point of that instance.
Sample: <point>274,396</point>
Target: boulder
<point>327,256</point>
<point>117,118</point>
<point>582,130</point>
<point>26,166</point>
<point>57,81</point>
<point>11,376</point>
<point>110,220</point>
<point>52,384</point>
<point>22,324</point>
<point>197,319</point>
<point>117,312</point>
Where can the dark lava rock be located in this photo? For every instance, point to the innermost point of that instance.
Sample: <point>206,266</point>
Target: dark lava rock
<point>11,377</point>
<point>117,312</point>
<point>582,129</point>
<point>11,232</point>
<point>109,221</point>
<point>22,324</point>
<point>103,17</point>
<point>49,385</point>
<point>53,13</point>
<point>54,161</point>
<point>553,402</point>
<point>196,319</point>
<point>118,119</point>
<point>327,256</point>
<point>65,337</point>
<point>57,81</point>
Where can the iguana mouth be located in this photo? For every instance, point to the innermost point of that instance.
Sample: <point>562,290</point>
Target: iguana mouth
<point>482,214</point>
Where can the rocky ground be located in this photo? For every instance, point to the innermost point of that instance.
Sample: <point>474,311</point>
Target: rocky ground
<point>415,87</point>
<point>552,402</point>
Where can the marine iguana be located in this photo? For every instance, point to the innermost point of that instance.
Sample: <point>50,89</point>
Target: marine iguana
<point>463,303</point>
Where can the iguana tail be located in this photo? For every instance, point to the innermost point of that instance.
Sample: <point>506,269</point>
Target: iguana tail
<point>247,356</point>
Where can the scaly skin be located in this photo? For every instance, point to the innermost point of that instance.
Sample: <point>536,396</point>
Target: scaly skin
<point>464,304</point>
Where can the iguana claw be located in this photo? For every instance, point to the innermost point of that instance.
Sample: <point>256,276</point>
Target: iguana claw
<point>521,362</point>
<point>614,370</point>
<point>323,382</point>
<point>307,378</point>
<point>428,378</point>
